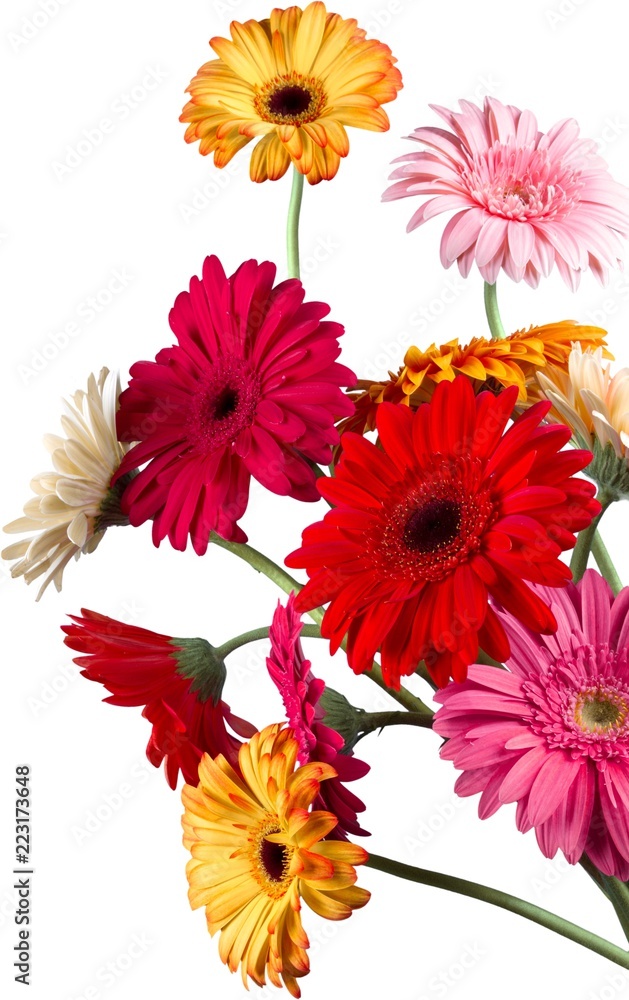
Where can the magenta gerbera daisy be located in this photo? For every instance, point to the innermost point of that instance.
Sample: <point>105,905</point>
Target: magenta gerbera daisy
<point>551,732</point>
<point>525,199</point>
<point>252,388</point>
<point>301,693</point>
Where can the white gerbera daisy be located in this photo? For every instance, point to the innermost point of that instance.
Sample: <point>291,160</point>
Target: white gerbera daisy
<point>595,404</point>
<point>74,505</point>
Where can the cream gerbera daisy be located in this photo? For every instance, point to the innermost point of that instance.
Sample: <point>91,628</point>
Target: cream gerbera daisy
<point>74,505</point>
<point>595,404</point>
<point>258,849</point>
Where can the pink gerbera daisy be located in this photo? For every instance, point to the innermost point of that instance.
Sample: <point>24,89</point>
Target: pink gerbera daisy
<point>551,732</point>
<point>526,199</point>
<point>251,389</point>
<point>301,693</point>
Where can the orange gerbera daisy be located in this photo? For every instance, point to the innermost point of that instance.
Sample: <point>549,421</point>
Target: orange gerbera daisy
<point>296,79</point>
<point>492,364</point>
<point>258,849</point>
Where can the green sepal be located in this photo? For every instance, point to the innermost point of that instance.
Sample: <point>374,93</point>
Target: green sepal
<point>197,661</point>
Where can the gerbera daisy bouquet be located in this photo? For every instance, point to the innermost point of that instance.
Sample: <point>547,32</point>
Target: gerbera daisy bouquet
<point>455,558</point>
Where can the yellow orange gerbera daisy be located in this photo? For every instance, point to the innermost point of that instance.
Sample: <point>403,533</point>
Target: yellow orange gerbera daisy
<point>294,80</point>
<point>258,849</point>
<point>514,360</point>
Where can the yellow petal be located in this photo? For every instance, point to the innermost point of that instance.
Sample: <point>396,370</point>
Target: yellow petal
<point>309,37</point>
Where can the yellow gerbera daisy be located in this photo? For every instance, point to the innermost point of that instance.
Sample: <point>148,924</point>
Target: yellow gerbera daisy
<point>513,360</point>
<point>296,79</point>
<point>258,850</point>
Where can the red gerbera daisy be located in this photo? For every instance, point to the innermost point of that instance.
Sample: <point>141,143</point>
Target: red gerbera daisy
<point>301,693</point>
<point>179,681</point>
<point>251,389</point>
<point>447,512</point>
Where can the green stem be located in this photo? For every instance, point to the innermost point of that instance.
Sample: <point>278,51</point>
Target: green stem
<point>261,563</point>
<point>616,891</point>
<point>605,563</point>
<point>307,632</point>
<point>493,315</point>
<point>371,721</point>
<point>507,902</point>
<point>404,697</point>
<point>292,224</point>
<point>581,553</point>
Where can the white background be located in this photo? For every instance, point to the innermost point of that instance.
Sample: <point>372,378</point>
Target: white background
<point>145,203</point>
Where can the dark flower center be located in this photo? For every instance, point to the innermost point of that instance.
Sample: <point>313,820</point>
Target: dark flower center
<point>432,526</point>
<point>226,403</point>
<point>274,859</point>
<point>290,101</point>
<point>223,405</point>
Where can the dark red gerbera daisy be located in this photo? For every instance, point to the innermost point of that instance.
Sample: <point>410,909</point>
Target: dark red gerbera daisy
<point>179,681</point>
<point>449,510</point>
<point>251,389</point>
<point>301,693</point>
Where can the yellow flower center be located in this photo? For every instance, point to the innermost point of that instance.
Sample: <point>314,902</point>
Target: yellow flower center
<point>596,711</point>
<point>290,99</point>
<point>270,862</point>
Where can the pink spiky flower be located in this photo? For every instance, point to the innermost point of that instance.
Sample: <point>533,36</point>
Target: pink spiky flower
<point>301,693</point>
<point>551,732</point>
<point>526,200</point>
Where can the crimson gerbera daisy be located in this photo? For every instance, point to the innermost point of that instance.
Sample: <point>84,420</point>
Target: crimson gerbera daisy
<point>525,200</point>
<point>251,389</point>
<point>301,693</point>
<point>552,731</point>
<point>451,509</point>
<point>179,681</point>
